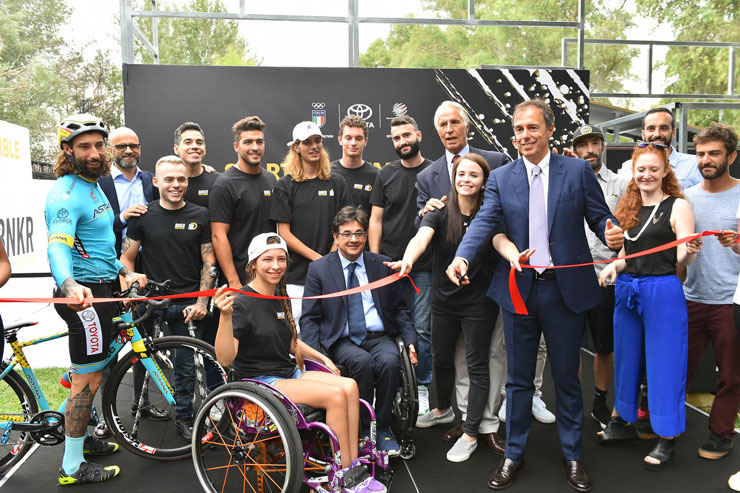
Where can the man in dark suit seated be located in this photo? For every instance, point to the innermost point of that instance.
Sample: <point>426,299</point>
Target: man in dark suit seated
<point>358,331</point>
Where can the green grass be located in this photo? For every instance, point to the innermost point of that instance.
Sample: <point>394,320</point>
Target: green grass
<point>49,380</point>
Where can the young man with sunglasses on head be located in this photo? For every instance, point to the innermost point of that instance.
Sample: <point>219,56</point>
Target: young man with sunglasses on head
<point>659,127</point>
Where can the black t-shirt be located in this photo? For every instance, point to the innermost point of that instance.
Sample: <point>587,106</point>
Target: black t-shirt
<point>264,337</point>
<point>309,206</point>
<point>446,297</point>
<point>171,243</point>
<point>242,201</point>
<point>395,191</point>
<point>199,188</point>
<point>360,182</point>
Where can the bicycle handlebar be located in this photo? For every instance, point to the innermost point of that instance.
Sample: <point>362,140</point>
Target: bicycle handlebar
<point>151,289</point>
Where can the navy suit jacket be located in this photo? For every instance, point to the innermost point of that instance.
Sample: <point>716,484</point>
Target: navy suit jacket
<point>434,181</point>
<point>323,321</point>
<point>573,194</point>
<point>109,188</point>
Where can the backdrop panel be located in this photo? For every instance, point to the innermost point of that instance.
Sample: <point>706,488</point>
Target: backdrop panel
<point>160,97</point>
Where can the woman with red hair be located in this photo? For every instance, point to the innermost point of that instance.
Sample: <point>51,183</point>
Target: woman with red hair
<point>650,315</point>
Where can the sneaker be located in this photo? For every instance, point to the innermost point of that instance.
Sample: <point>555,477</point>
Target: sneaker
<point>462,450</point>
<point>734,482</point>
<point>370,485</point>
<point>540,412</point>
<point>149,411</point>
<point>101,429</point>
<point>88,473</point>
<point>184,428</point>
<point>430,419</point>
<point>387,444</point>
<point>600,413</point>
<point>502,411</point>
<point>716,447</point>
<point>423,400</point>
<point>95,447</point>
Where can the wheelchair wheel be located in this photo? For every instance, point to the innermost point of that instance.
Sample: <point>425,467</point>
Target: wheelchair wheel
<point>406,405</point>
<point>133,429</point>
<point>17,404</point>
<point>249,442</point>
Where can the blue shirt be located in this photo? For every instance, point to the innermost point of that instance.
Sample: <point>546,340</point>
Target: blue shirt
<point>128,192</point>
<point>684,166</point>
<point>373,321</point>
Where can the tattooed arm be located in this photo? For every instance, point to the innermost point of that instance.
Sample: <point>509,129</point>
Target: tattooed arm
<point>200,308</point>
<point>129,251</point>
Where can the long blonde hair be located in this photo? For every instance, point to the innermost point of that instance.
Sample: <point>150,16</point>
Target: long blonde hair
<point>293,164</point>
<point>287,309</point>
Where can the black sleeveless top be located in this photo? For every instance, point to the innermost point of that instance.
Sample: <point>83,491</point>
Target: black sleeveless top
<point>657,233</point>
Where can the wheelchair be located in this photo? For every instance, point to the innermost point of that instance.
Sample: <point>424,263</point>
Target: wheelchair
<point>253,438</point>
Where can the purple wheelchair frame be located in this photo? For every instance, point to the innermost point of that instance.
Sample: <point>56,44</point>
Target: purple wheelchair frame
<point>369,455</point>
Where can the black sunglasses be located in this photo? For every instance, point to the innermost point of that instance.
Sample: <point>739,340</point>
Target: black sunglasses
<point>656,145</point>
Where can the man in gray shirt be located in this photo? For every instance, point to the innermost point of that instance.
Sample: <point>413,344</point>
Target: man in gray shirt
<point>711,281</point>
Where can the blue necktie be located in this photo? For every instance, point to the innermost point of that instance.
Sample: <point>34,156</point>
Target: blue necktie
<point>356,319</point>
<point>538,238</point>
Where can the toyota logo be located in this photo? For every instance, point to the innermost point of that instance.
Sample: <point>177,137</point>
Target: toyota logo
<point>361,110</point>
<point>88,315</point>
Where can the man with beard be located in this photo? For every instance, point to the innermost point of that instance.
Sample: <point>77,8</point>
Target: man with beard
<point>659,126</point>
<point>83,262</point>
<point>392,225</point>
<point>128,188</point>
<point>588,144</point>
<point>711,282</point>
<point>358,173</point>
<point>240,201</point>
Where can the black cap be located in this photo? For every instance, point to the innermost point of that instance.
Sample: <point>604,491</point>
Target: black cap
<point>586,131</point>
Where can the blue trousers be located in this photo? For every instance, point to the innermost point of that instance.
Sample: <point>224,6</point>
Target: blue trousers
<point>421,311</point>
<point>650,318</point>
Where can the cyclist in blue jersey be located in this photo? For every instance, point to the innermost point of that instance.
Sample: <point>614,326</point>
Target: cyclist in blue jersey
<point>83,262</point>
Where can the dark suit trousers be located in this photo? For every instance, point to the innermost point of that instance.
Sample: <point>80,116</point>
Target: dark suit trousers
<point>563,330</point>
<point>376,367</point>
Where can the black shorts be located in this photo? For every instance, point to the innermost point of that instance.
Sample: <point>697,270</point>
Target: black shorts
<point>90,331</point>
<point>601,322</point>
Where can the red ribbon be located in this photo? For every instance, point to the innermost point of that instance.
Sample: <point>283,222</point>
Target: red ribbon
<point>210,292</point>
<point>516,298</point>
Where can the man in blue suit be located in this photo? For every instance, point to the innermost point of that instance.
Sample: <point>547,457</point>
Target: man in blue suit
<point>539,201</point>
<point>358,331</point>
<point>128,188</point>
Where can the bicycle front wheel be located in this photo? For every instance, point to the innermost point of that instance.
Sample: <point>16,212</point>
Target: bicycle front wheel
<point>137,411</point>
<point>17,404</point>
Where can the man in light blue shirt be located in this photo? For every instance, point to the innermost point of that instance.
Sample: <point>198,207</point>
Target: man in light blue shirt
<point>658,126</point>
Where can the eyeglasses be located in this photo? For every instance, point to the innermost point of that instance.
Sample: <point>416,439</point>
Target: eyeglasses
<point>656,145</point>
<point>122,147</point>
<point>360,235</point>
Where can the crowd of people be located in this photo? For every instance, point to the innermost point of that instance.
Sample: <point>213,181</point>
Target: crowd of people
<point>455,226</point>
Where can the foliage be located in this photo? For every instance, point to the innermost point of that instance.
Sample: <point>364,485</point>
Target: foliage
<point>195,41</point>
<point>418,46</point>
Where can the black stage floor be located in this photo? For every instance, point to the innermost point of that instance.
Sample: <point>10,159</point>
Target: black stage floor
<point>613,469</point>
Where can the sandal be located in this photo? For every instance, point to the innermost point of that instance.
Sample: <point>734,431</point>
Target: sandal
<point>617,430</point>
<point>662,451</point>
<point>645,430</point>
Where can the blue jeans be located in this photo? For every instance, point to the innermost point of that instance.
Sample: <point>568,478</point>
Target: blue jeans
<point>184,363</point>
<point>421,311</point>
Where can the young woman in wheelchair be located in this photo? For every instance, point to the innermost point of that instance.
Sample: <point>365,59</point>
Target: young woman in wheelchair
<point>268,332</point>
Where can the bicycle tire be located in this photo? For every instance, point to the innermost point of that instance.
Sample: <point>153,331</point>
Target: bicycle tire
<point>157,440</point>
<point>17,401</point>
<point>252,445</point>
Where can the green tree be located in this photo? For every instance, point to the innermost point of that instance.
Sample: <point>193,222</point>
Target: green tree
<point>195,41</point>
<point>427,46</point>
<point>698,70</point>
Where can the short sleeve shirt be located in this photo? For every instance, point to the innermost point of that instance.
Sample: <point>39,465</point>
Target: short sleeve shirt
<point>360,182</point>
<point>199,188</point>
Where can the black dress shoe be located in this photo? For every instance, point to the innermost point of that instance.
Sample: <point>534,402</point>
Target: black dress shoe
<point>505,474</point>
<point>151,412</point>
<point>453,434</point>
<point>577,477</point>
<point>495,442</point>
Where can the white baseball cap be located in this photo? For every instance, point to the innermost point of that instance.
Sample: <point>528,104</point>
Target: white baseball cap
<point>304,130</point>
<point>259,245</point>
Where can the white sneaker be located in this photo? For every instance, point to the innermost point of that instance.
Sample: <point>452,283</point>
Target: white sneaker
<point>423,400</point>
<point>430,419</point>
<point>462,450</point>
<point>734,481</point>
<point>540,412</point>
<point>502,411</point>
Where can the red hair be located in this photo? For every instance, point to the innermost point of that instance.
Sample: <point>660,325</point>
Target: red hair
<point>629,206</point>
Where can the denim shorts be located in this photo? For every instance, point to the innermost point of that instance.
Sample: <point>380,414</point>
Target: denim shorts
<point>271,379</point>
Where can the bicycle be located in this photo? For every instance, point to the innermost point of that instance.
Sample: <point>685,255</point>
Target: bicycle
<point>26,417</point>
